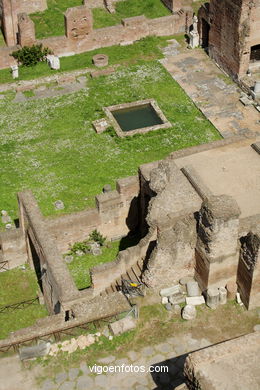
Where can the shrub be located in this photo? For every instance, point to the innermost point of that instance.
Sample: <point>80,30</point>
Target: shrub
<point>79,246</point>
<point>30,56</point>
<point>97,237</point>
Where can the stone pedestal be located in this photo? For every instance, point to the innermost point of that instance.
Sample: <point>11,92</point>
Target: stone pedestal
<point>193,289</point>
<point>15,71</point>
<point>212,297</point>
<point>194,40</point>
<point>53,62</point>
<point>222,296</point>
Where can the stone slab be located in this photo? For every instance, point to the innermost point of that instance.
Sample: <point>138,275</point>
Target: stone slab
<point>195,300</point>
<point>123,325</point>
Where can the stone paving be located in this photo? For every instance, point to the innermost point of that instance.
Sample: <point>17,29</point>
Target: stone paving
<point>43,92</point>
<point>171,353</point>
<point>214,94</point>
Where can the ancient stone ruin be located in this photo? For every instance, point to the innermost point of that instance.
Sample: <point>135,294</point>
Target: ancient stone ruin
<point>198,215</point>
<point>230,32</point>
<point>78,23</point>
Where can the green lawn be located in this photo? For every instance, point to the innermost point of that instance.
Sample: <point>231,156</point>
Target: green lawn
<point>81,265</point>
<point>18,285</point>
<point>50,146</point>
<point>126,9</point>
<point>51,21</point>
<point>145,49</point>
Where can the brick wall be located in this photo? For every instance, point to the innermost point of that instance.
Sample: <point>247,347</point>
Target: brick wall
<point>11,8</point>
<point>234,28</point>
<point>131,29</point>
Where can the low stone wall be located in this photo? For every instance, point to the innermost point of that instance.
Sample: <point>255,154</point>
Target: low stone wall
<point>96,309</point>
<point>115,215</point>
<point>13,248</point>
<point>104,275</point>
<point>233,364</point>
<point>131,29</point>
<point>54,278</point>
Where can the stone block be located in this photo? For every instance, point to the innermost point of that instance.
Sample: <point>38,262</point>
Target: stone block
<point>26,30</point>
<point>123,325</point>
<point>78,22</point>
<point>189,312</point>
<point>167,292</point>
<point>222,295</point>
<point>195,301</point>
<point>231,288</point>
<point>193,289</point>
<point>53,62</point>
<point>164,300</point>
<point>108,201</point>
<point>39,350</point>
<point>177,299</point>
<point>212,297</point>
<point>100,125</point>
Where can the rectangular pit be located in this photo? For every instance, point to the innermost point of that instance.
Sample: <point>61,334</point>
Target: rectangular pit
<point>137,117</point>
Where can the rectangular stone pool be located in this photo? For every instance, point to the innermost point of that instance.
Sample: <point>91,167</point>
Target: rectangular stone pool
<point>137,117</point>
<point>133,118</point>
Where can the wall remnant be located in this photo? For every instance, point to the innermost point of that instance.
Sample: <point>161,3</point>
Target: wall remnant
<point>26,30</point>
<point>78,22</point>
<point>230,30</point>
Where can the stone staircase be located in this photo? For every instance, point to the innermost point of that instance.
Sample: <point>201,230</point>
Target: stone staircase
<point>134,274</point>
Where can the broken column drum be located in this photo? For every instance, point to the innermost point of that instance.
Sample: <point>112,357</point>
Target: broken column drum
<point>212,297</point>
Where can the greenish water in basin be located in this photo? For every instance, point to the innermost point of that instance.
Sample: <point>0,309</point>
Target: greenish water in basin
<point>133,118</point>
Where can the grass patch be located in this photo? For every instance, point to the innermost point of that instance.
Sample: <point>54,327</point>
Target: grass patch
<point>145,49</point>
<point>50,146</point>
<point>226,79</point>
<point>29,93</point>
<point>18,285</point>
<point>51,21</point>
<point>81,265</point>
<point>155,325</point>
<point>126,9</point>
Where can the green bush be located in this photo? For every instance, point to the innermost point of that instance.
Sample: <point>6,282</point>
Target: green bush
<point>97,237</point>
<point>79,246</point>
<point>30,56</point>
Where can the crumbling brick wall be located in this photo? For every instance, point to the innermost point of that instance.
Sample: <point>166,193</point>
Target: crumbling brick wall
<point>80,37</point>
<point>10,11</point>
<point>173,5</point>
<point>248,274</point>
<point>233,29</point>
<point>26,30</point>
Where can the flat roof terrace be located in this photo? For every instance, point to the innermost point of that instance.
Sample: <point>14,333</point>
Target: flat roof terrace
<point>232,170</point>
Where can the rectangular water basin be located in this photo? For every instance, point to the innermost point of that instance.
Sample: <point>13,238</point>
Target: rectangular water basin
<point>137,117</point>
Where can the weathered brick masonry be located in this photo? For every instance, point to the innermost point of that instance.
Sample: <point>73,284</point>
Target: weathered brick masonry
<point>230,29</point>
